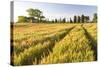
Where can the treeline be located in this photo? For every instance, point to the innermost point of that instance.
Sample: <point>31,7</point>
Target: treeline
<point>59,20</point>
<point>36,16</point>
<point>83,19</point>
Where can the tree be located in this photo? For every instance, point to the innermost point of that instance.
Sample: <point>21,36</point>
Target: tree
<point>35,13</point>
<point>38,14</point>
<point>56,20</point>
<point>71,20</point>
<point>86,19</point>
<point>41,18</point>
<point>60,20</point>
<point>82,18</point>
<point>52,21</point>
<point>31,14</point>
<point>22,19</point>
<point>79,19</point>
<point>95,17</point>
<point>75,19</point>
<point>64,20</point>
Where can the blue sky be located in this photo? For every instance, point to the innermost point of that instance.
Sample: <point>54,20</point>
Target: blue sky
<point>53,10</point>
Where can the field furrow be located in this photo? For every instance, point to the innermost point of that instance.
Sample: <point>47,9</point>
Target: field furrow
<point>45,46</point>
<point>53,43</point>
<point>32,41</point>
<point>92,30</point>
<point>93,43</point>
<point>75,47</point>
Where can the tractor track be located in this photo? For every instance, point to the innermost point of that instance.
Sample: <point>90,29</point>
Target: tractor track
<point>93,44</point>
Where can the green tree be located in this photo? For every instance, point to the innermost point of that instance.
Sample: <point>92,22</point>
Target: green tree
<point>56,20</point>
<point>52,21</point>
<point>82,18</point>
<point>95,17</point>
<point>22,19</point>
<point>75,19</point>
<point>38,14</point>
<point>31,13</point>
<point>60,20</point>
<point>41,18</point>
<point>79,19</point>
<point>86,19</point>
<point>71,20</point>
<point>35,13</point>
<point>64,20</point>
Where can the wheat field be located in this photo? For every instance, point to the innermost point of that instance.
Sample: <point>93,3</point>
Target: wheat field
<point>43,43</point>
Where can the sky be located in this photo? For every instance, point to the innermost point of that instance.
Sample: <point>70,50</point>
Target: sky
<point>53,10</point>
